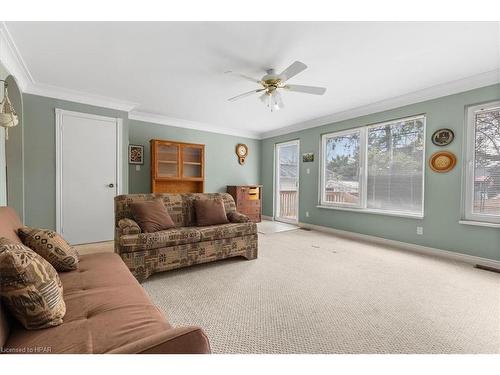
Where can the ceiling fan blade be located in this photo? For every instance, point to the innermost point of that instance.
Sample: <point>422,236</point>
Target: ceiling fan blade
<point>306,89</point>
<point>244,95</point>
<point>248,78</point>
<point>293,70</point>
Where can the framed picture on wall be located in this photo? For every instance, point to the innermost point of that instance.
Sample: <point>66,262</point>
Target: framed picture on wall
<point>135,154</point>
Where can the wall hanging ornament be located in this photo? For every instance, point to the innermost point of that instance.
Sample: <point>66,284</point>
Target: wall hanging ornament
<point>443,137</point>
<point>8,116</point>
<point>241,152</point>
<point>442,161</point>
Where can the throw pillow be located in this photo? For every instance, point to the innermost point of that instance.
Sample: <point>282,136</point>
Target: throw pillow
<point>210,212</point>
<point>51,247</point>
<point>30,287</point>
<point>152,216</point>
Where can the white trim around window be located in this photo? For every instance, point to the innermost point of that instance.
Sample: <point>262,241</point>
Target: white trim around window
<point>469,215</point>
<point>362,205</point>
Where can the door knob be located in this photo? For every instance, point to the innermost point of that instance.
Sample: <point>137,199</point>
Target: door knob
<point>111,185</point>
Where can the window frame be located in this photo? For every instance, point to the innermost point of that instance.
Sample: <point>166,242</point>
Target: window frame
<point>468,214</point>
<point>363,171</point>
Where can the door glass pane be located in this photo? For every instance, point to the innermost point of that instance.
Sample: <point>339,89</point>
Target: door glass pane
<point>192,161</point>
<point>342,180</point>
<point>486,200</point>
<point>288,158</point>
<point>167,158</point>
<point>395,166</point>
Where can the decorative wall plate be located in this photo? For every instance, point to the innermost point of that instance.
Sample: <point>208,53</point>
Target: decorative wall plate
<point>443,137</point>
<point>442,161</point>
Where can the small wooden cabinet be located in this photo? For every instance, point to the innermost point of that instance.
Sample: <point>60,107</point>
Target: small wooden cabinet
<point>248,200</point>
<point>177,167</point>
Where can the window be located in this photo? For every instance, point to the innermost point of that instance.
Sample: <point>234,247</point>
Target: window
<point>341,172</point>
<point>377,168</point>
<point>482,174</point>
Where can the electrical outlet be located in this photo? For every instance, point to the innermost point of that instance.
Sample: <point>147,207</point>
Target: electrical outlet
<point>307,213</point>
<point>420,231</point>
<point>137,167</point>
<point>308,170</point>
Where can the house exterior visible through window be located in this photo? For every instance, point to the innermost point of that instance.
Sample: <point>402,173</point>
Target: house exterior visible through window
<point>482,168</point>
<point>376,168</point>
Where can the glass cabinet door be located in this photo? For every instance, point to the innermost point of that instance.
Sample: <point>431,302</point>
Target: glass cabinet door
<point>167,159</point>
<point>192,161</point>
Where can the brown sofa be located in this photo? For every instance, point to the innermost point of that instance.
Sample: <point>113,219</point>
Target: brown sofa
<point>107,311</point>
<point>186,244</point>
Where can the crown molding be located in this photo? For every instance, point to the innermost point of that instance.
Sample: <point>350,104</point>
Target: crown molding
<point>79,97</point>
<point>188,124</point>
<point>433,92</point>
<point>12,59</point>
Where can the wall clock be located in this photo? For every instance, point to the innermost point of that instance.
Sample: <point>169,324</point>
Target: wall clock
<point>241,152</point>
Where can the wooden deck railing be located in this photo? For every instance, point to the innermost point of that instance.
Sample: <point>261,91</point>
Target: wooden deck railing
<point>288,201</point>
<point>288,204</point>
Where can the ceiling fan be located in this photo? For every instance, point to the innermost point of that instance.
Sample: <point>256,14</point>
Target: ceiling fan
<point>273,83</point>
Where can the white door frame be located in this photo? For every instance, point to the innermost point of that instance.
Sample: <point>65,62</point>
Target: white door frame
<point>59,144</point>
<point>276,180</point>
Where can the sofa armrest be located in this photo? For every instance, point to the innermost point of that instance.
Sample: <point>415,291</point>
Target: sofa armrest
<point>128,226</point>
<point>236,217</point>
<point>182,340</point>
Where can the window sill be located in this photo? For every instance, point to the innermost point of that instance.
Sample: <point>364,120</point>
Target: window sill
<point>480,223</point>
<point>376,212</point>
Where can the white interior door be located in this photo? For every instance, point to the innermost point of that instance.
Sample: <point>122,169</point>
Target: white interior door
<point>287,182</point>
<point>88,176</point>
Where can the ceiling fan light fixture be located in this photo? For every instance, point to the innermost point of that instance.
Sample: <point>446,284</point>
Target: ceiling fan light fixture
<point>273,83</point>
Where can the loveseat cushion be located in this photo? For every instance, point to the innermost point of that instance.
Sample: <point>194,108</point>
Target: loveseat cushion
<point>218,232</point>
<point>164,238</point>
<point>210,212</point>
<point>152,216</point>
<point>106,309</point>
<point>30,286</point>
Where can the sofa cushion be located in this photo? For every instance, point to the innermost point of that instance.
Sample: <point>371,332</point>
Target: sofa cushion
<point>30,286</point>
<point>51,247</point>
<point>151,216</point>
<point>218,232</point>
<point>106,309</point>
<point>210,212</point>
<point>164,238</point>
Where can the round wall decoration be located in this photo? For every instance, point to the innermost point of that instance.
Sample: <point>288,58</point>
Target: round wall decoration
<point>443,137</point>
<point>442,161</point>
<point>241,152</point>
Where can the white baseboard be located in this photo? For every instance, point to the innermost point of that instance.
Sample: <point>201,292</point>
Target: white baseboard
<point>471,259</point>
<point>265,217</point>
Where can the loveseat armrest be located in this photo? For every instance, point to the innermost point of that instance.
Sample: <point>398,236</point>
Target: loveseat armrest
<point>182,340</point>
<point>128,226</point>
<point>236,217</point>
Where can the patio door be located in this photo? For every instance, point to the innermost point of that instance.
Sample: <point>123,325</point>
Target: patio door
<point>287,182</point>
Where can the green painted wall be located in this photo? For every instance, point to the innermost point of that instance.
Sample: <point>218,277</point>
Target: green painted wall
<point>221,164</point>
<point>40,154</point>
<point>442,191</point>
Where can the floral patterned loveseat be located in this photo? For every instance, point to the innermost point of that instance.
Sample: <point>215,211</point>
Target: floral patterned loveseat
<point>186,244</point>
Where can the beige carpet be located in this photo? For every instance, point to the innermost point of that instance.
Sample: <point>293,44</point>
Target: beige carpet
<point>311,292</point>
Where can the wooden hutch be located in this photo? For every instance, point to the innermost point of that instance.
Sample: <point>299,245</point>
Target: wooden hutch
<point>177,167</point>
<point>248,199</point>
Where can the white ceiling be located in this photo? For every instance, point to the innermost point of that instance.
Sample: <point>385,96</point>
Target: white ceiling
<point>176,69</point>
